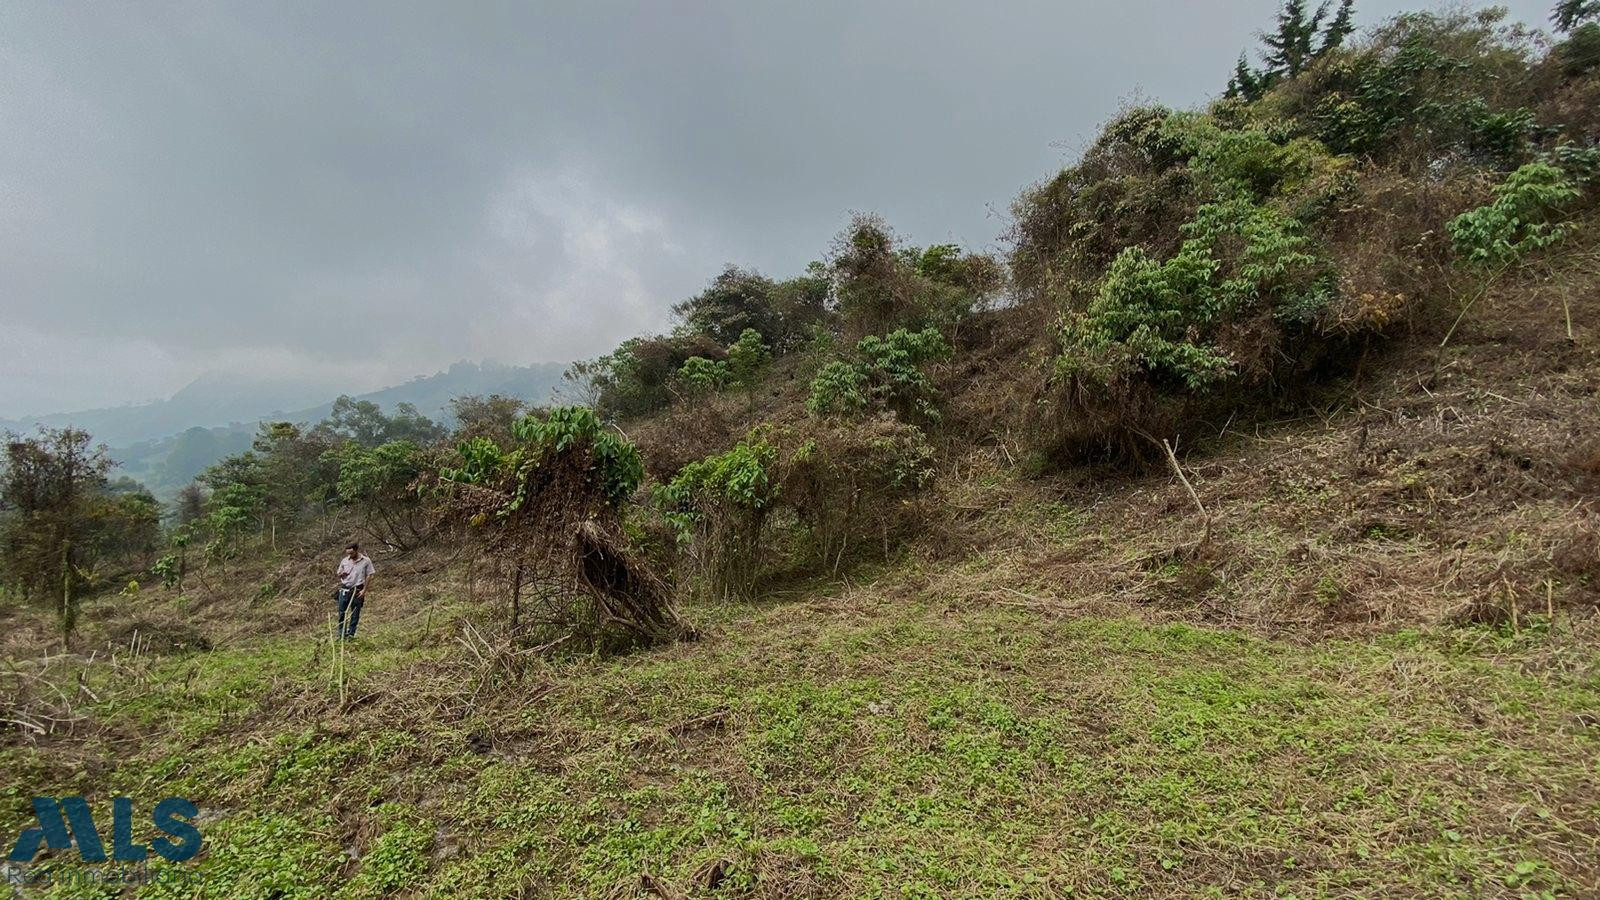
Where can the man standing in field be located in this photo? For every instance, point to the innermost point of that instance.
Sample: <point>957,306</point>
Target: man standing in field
<point>355,569</point>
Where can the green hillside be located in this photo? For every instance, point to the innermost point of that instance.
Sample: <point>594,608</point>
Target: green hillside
<point>1232,533</point>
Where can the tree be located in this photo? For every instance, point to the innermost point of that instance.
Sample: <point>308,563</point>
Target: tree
<point>636,378</point>
<point>408,424</point>
<point>1298,41</point>
<point>735,300</point>
<point>294,479</point>
<point>1340,27</point>
<point>364,422</point>
<point>1569,14</point>
<point>381,482</point>
<point>52,492</point>
<point>1292,47</point>
<point>801,305</point>
<point>1580,52</point>
<point>874,289</point>
<point>128,521</point>
<point>1246,82</point>
<point>361,421</point>
<point>587,379</point>
<point>490,416</point>
<point>189,505</point>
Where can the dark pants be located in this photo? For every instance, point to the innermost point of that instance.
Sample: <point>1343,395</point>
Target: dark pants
<point>350,599</point>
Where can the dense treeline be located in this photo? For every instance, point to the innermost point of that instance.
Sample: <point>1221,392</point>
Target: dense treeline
<point>1191,265</point>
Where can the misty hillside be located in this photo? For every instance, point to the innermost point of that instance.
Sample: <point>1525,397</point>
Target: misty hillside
<point>216,400</point>
<point>211,401</point>
<point>1232,531</point>
<point>165,444</point>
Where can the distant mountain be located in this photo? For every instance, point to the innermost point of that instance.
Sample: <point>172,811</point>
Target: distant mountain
<point>537,384</point>
<point>209,401</point>
<point>166,443</point>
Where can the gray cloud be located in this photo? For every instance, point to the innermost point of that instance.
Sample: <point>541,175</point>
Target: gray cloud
<point>368,191</point>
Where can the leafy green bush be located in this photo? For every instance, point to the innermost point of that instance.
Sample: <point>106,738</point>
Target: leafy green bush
<point>636,378</point>
<point>615,460</point>
<point>370,473</point>
<point>1426,86</point>
<point>611,464</point>
<point>1524,217</point>
<point>839,389</point>
<point>1168,320</point>
<point>551,509</point>
<point>168,568</point>
<point>719,508</point>
<point>894,363</point>
<point>703,376</point>
<point>1150,170</point>
<point>889,373</point>
<point>1251,163</point>
<point>748,357</point>
<point>478,460</point>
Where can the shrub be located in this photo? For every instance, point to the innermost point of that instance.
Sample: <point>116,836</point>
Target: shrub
<point>1246,299</point>
<point>748,357</point>
<point>703,376</point>
<point>635,379</point>
<point>1150,170</point>
<point>1130,187</point>
<point>1169,321</point>
<point>1524,217</point>
<point>802,307</point>
<point>615,466</point>
<point>1251,163</point>
<point>719,508</point>
<point>1425,87</point>
<point>895,364</point>
<point>553,506</point>
<point>852,489</point>
<point>888,374</point>
<point>881,284</point>
<point>839,389</point>
<point>167,568</point>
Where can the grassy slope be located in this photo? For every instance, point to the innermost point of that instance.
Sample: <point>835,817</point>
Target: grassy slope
<point>882,741</point>
<point>1054,692</point>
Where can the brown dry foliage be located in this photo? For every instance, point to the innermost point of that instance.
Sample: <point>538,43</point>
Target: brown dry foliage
<point>567,542</point>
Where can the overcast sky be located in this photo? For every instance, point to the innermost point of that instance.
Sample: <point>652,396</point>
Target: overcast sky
<point>359,193</point>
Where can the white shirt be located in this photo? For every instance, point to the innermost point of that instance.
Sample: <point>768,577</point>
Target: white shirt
<point>355,572</point>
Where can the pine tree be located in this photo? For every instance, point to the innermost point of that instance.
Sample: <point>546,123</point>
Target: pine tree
<point>1291,47</point>
<point>1569,14</point>
<point>1339,28</point>
<point>1246,82</point>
